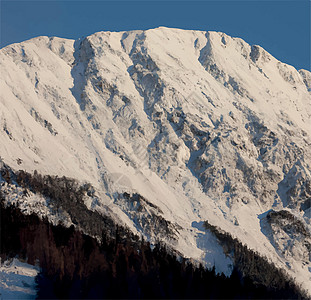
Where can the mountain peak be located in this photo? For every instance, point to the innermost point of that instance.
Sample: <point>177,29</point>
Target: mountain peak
<point>200,125</point>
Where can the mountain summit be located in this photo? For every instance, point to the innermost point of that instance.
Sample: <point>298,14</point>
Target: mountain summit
<point>171,128</point>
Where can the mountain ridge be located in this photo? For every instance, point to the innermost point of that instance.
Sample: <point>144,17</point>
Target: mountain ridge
<point>201,125</point>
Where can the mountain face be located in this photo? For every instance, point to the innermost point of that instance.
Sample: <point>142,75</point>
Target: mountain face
<point>166,129</point>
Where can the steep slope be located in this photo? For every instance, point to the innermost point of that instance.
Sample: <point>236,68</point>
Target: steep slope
<point>173,125</point>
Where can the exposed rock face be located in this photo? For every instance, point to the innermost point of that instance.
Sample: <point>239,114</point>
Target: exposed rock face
<point>200,125</point>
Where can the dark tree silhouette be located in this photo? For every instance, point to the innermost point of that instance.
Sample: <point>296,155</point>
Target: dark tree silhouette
<point>76,265</point>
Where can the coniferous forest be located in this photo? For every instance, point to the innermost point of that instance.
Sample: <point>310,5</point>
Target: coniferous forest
<point>74,265</point>
<point>119,264</point>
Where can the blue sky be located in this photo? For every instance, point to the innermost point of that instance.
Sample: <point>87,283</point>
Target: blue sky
<point>282,27</point>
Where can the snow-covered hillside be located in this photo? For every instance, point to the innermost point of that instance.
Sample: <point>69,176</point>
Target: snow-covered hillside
<point>17,280</point>
<point>174,125</point>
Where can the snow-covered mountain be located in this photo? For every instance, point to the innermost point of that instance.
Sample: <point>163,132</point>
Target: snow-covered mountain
<point>172,128</point>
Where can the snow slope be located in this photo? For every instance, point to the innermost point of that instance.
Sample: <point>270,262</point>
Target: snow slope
<point>17,280</point>
<point>201,125</point>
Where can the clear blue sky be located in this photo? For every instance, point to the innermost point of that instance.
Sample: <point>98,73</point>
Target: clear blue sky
<point>282,27</point>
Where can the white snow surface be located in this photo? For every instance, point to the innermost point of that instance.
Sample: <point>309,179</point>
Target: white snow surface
<point>202,125</point>
<point>17,280</point>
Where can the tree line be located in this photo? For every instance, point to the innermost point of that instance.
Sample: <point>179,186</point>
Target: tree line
<point>118,264</point>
